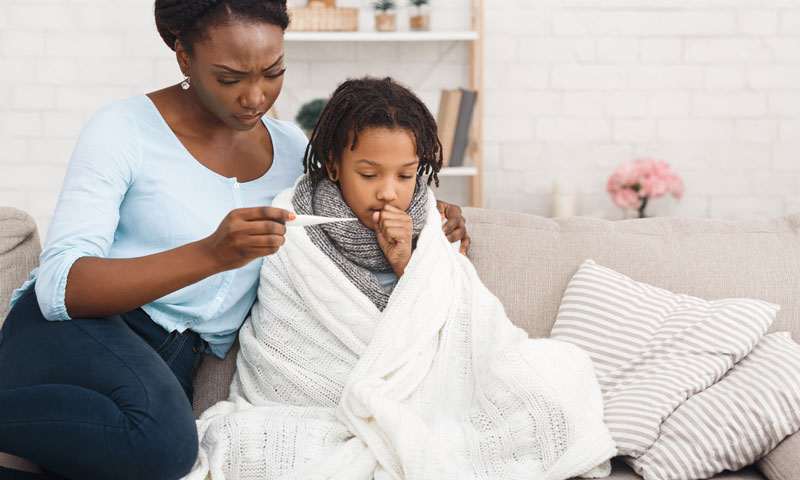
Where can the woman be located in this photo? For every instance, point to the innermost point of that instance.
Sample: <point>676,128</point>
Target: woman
<point>149,259</point>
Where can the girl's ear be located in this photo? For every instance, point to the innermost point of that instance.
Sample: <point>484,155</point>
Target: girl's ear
<point>333,170</point>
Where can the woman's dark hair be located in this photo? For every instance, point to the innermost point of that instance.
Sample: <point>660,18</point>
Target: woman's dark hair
<point>372,102</point>
<point>188,20</point>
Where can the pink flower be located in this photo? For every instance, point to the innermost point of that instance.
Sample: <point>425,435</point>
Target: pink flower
<point>653,186</point>
<point>675,186</point>
<point>632,183</point>
<point>626,199</point>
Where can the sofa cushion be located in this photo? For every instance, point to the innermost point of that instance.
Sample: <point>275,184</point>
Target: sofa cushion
<point>19,253</point>
<point>620,471</point>
<point>527,260</point>
<point>783,462</point>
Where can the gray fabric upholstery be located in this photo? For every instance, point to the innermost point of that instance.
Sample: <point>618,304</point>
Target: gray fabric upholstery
<point>213,380</point>
<point>783,462</point>
<point>19,252</point>
<point>621,471</point>
<point>527,260</point>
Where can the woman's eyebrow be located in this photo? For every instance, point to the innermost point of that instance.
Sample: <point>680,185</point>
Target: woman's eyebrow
<point>245,73</point>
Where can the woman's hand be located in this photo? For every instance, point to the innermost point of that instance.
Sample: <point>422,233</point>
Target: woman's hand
<point>456,227</point>
<point>394,228</point>
<point>246,234</point>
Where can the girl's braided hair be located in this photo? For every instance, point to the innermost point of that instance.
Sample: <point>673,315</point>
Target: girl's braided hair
<point>188,20</point>
<point>372,102</point>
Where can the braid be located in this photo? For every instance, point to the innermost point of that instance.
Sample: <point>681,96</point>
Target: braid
<point>371,102</point>
<point>187,20</point>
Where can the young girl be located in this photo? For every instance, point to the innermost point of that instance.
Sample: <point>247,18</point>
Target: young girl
<point>373,350</point>
<point>373,145</point>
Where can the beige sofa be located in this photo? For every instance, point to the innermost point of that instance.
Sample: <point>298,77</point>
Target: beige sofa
<point>527,261</point>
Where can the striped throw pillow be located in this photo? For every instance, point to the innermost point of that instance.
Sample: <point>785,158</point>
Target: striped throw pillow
<point>653,349</point>
<point>734,422</point>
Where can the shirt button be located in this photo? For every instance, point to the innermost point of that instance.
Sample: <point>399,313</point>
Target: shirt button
<point>236,185</point>
<point>187,324</point>
<point>219,299</point>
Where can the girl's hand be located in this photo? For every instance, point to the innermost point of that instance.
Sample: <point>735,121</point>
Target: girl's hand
<point>246,234</point>
<point>394,229</point>
<point>456,227</point>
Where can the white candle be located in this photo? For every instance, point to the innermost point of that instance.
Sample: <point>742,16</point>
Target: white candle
<point>565,198</point>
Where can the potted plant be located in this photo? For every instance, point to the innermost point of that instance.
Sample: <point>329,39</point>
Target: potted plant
<point>309,114</point>
<point>420,21</point>
<point>384,20</point>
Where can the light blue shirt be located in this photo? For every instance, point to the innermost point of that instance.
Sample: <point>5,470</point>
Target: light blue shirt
<point>132,189</point>
<point>387,280</point>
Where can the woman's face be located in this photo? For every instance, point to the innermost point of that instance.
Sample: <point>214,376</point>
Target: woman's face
<point>381,170</point>
<point>236,71</point>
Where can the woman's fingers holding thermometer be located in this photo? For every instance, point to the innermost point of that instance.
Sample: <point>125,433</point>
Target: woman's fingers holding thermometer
<point>245,234</point>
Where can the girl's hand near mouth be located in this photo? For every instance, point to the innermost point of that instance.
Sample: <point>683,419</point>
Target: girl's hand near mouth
<point>394,228</point>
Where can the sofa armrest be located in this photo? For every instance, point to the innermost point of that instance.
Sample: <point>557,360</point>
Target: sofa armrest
<point>19,252</point>
<point>783,462</point>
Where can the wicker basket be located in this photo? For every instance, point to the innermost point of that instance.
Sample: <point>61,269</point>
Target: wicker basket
<point>322,19</point>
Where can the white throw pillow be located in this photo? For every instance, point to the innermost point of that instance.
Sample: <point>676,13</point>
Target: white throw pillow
<point>653,349</point>
<point>734,422</point>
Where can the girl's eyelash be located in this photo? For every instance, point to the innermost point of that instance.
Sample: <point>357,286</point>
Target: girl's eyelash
<point>367,176</point>
<point>227,82</point>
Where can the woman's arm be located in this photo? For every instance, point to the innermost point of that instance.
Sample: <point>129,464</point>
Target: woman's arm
<point>75,276</point>
<point>98,287</point>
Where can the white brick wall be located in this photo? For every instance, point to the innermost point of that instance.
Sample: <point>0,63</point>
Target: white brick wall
<point>572,88</point>
<point>711,86</point>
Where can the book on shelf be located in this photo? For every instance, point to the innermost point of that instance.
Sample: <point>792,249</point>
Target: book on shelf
<point>456,108</point>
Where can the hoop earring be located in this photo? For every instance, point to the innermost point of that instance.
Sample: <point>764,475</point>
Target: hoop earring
<point>333,175</point>
<point>186,83</point>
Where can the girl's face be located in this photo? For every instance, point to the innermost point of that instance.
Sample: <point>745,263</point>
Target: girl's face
<point>381,170</point>
<point>236,71</point>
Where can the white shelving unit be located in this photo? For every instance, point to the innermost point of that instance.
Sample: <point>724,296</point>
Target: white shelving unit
<point>473,36</point>
<point>380,36</point>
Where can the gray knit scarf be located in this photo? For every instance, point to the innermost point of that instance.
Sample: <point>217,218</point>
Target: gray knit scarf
<point>352,246</point>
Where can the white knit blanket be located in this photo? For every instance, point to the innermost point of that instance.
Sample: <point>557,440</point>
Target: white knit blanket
<point>440,385</point>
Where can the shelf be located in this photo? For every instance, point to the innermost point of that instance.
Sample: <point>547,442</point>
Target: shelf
<point>466,171</point>
<point>380,36</point>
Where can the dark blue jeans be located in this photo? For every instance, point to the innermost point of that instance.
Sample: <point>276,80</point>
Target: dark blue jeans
<point>105,398</point>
